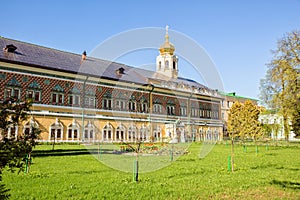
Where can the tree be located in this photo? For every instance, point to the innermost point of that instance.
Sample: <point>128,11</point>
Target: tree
<point>251,125</point>
<point>296,119</point>
<point>233,127</point>
<point>13,149</point>
<point>280,88</point>
<point>243,123</point>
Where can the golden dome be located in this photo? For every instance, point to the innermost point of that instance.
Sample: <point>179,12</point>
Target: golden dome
<point>167,47</point>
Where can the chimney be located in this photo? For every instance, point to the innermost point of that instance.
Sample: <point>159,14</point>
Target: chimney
<point>83,56</point>
<point>119,72</point>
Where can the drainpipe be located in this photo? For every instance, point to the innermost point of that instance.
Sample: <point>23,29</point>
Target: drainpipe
<point>189,115</point>
<point>150,108</point>
<point>83,105</point>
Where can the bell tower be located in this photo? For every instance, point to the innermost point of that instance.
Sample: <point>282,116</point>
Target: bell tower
<point>166,61</point>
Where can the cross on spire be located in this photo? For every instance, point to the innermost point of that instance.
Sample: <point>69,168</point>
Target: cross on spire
<point>167,33</point>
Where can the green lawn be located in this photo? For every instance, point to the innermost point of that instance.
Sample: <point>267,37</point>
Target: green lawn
<point>72,173</point>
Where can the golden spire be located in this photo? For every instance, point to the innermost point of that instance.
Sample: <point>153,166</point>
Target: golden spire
<point>167,47</point>
<point>167,34</point>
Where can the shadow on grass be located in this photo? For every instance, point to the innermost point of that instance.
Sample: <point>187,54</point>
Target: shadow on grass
<point>69,152</point>
<point>287,184</point>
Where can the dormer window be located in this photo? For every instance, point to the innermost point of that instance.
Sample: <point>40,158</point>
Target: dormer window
<point>10,48</point>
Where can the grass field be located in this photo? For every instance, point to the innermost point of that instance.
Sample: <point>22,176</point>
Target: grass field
<point>70,172</point>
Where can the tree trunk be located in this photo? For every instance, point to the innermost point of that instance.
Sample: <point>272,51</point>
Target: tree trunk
<point>232,155</point>
<point>286,127</point>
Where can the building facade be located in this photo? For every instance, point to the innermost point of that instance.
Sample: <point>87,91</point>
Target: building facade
<point>277,129</point>
<point>77,98</point>
<point>228,100</point>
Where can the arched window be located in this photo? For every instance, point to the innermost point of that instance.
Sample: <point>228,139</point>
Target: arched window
<point>201,135</point>
<point>56,131</point>
<point>29,125</point>
<point>121,133</point>
<point>174,65</point>
<point>143,136</point>
<point>107,133</point>
<point>132,131</point>
<point>216,135</point>
<point>194,133</point>
<point>159,65</point>
<point>208,134</point>
<point>167,64</point>
<point>73,131</point>
<point>157,133</point>
<point>89,131</point>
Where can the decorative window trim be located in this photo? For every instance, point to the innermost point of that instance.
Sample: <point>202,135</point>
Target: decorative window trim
<point>74,129</point>
<point>107,133</point>
<point>56,129</point>
<point>89,132</point>
<point>107,103</point>
<point>121,134</point>
<point>12,92</point>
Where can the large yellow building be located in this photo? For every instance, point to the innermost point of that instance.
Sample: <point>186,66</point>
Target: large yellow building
<point>80,98</point>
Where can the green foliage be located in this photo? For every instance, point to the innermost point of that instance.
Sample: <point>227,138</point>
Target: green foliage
<point>296,120</point>
<point>14,150</point>
<point>281,87</point>
<point>272,174</point>
<point>234,120</point>
<point>243,121</point>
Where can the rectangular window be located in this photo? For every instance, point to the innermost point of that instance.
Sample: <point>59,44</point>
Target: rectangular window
<point>16,93</point>
<point>120,104</point>
<point>157,108</point>
<point>75,134</point>
<point>37,96</point>
<point>71,100</point>
<point>57,98</point>
<point>8,93</point>
<point>30,94</point>
<point>76,100</point>
<point>131,106</point>
<point>52,133</point>
<point>170,110</point>
<point>59,133</point>
<point>54,98</point>
<point>183,111</point>
<point>92,102</point>
<point>107,104</point>
<point>60,98</point>
<point>194,112</point>
<point>70,133</point>
<point>144,107</point>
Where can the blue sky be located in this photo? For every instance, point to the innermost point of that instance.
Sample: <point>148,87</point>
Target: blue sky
<point>237,35</point>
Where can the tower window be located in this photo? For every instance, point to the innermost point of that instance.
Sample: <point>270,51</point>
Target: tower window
<point>167,64</point>
<point>159,65</point>
<point>174,65</point>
